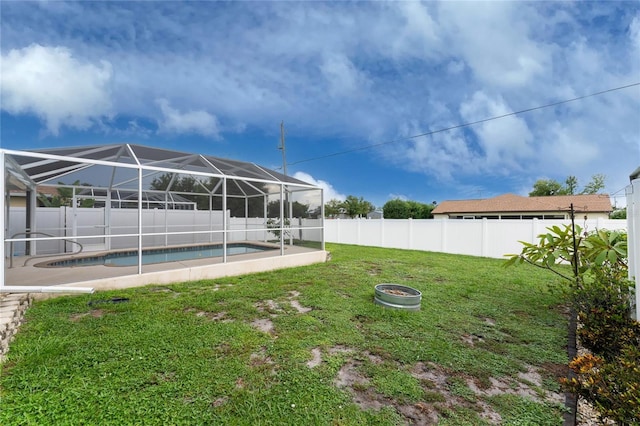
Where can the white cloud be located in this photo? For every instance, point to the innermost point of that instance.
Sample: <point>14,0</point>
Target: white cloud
<point>419,33</point>
<point>494,40</point>
<point>174,121</point>
<point>56,86</point>
<point>634,32</point>
<point>341,75</point>
<point>506,141</point>
<point>441,156</point>
<point>330,193</point>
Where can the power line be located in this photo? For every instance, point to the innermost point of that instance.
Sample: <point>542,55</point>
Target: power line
<point>459,126</point>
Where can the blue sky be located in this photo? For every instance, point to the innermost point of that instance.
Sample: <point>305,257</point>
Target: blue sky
<point>218,78</point>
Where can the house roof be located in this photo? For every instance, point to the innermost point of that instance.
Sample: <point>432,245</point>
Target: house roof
<point>516,203</point>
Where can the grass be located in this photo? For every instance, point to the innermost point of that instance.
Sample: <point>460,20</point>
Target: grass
<point>191,353</point>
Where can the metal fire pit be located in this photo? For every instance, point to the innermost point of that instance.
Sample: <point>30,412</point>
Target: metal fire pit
<point>396,296</point>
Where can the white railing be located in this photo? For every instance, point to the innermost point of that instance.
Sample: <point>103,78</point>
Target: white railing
<point>483,237</point>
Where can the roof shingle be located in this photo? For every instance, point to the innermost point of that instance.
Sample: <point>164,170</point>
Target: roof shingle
<point>516,203</point>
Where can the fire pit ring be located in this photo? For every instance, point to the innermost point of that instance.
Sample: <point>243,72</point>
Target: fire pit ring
<point>396,296</point>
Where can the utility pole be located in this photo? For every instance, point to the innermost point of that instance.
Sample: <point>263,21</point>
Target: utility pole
<point>286,207</point>
<point>283,148</point>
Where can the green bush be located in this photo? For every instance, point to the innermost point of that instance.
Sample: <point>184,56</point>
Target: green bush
<point>604,311</point>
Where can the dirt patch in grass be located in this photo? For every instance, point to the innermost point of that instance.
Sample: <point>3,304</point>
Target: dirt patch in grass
<point>340,349</point>
<point>359,386</point>
<point>419,413</point>
<point>261,361</point>
<point>295,304</point>
<point>219,287</point>
<point>95,313</point>
<point>270,306</point>
<point>489,321</point>
<point>528,385</point>
<point>316,358</point>
<point>554,370</point>
<point>438,396</point>
<point>437,379</point>
<point>316,355</point>
<point>298,307</point>
<point>374,271</point>
<point>471,339</point>
<point>218,402</point>
<point>163,289</point>
<point>265,325</point>
<point>213,316</point>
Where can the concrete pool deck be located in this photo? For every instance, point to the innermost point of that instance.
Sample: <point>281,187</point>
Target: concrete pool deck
<point>111,277</point>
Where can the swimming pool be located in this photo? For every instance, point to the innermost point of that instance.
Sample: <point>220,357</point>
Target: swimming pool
<point>156,255</point>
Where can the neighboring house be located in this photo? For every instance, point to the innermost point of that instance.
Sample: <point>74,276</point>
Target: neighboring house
<point>376,214</point>
<point>19,198</point>
<point>511,206</point>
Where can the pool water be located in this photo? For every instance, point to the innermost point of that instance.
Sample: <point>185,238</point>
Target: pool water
<point>149,256</point>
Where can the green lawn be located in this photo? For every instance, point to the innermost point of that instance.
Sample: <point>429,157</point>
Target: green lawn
<point>487,344</point>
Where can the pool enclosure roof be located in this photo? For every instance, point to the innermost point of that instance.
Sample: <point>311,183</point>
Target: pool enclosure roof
<point>116,166</point>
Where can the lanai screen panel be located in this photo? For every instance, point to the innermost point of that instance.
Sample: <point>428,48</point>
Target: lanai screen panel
<point>131,197</point>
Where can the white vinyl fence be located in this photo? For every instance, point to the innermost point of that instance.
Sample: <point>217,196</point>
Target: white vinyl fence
<point>633,221</point>
<point>96,230</point>
<point>482,237</point>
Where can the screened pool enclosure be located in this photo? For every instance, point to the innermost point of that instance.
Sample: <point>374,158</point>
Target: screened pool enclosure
<point>174,215</point>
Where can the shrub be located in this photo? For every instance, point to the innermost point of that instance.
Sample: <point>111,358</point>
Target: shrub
<point>613,387</point>
<point>601,296</point>
<point>604,311</point>
<point>274,227</point>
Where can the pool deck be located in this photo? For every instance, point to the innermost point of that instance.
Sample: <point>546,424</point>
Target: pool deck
<point>113,277</point>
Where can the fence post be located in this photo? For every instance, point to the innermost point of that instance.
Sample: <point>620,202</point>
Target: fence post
<point>485,238</point>
<point>443,235</point>
<point>382,232</point>
<point>633,229</point>
<point>62,228</point>
<point>410,228</point>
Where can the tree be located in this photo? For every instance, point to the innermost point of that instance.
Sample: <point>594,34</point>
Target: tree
<point>547,187</point>
<point>332,208</point>
<point>65,197</point>
<point>596,184</point>
<point>356,207</point>
<point>395,209</point>
<point>419,210</point>
<point>571,185</point>
<point>188,187</point>
<point>297,209</point>
<point>401,209</point>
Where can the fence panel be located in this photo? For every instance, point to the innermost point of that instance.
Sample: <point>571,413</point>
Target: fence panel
<point>633,222</point>
<point>486,237</point>
<point>395,232</point>
<point>425,235</point>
